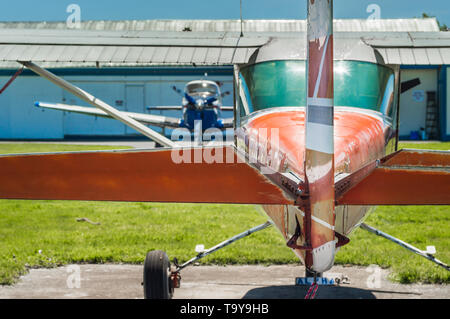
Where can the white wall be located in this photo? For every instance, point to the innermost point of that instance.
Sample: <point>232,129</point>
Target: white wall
<point>19,118</point>
<point>413,112</point>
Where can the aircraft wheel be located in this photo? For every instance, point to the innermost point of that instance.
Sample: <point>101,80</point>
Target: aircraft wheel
<point>157,283</point>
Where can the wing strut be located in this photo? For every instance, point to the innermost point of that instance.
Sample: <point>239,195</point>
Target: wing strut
<point>11,80</point>
<point>100,104</point>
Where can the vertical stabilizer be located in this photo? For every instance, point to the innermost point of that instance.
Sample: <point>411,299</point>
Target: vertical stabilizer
<point>319,156</point>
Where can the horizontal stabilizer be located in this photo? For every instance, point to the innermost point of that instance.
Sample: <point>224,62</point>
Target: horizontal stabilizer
<point>179,175</point>
<point>165,108</point>
<point>407,177</point>
<point>228,122</point>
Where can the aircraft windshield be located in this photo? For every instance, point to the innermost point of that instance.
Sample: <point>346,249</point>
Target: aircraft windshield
<point>283,83</point>
<point>201,89</point>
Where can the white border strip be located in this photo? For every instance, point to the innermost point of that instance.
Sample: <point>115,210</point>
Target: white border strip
<point>321,222</point>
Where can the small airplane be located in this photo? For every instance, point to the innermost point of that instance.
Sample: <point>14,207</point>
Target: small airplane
<point>201,103</point>
<point>315,144</point>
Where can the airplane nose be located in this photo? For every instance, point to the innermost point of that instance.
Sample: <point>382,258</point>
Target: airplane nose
<point>288,126</point>
<point>200,103</point>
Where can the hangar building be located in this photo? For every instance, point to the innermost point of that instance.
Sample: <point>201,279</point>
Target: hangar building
<point>134,87</point>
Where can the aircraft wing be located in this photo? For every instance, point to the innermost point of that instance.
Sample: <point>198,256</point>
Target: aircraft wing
<point>178,108</point>
<point>149,119</point>
<point>112,48</point>
<point>139,175</point>
<point>407,177</point>
<point>120,48</point>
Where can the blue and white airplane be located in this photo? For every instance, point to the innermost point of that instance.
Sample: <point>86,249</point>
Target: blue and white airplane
<point>201,101</point>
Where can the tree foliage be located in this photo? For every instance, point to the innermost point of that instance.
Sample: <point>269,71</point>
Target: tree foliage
<point>442,27</point>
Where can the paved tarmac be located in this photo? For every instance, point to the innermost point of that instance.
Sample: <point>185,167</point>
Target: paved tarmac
<point>122,281</point>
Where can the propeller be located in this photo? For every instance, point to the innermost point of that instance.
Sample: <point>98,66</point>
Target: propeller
<point>225,93</point>
<point>177,90</point>
<point>408,85</point>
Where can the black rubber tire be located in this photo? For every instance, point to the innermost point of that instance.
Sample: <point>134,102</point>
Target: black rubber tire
<point>309,273</point>
<point>157,276</point>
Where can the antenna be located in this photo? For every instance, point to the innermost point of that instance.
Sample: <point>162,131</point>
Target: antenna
<point>242,33</point>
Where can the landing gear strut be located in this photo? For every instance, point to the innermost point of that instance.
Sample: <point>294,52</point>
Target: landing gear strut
<point>160,278</point>
<point>428,254</point>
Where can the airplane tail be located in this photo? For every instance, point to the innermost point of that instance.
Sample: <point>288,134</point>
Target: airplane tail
<point>319,150</point>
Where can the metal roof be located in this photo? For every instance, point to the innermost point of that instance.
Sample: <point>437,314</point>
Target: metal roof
<point>416,56</point>
<point>340,25</point>
<point>427,48</point>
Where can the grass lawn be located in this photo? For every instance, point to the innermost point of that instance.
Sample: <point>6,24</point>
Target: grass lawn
<point>46,233</point>
<point>19,148</point>
<point>442,146</point>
